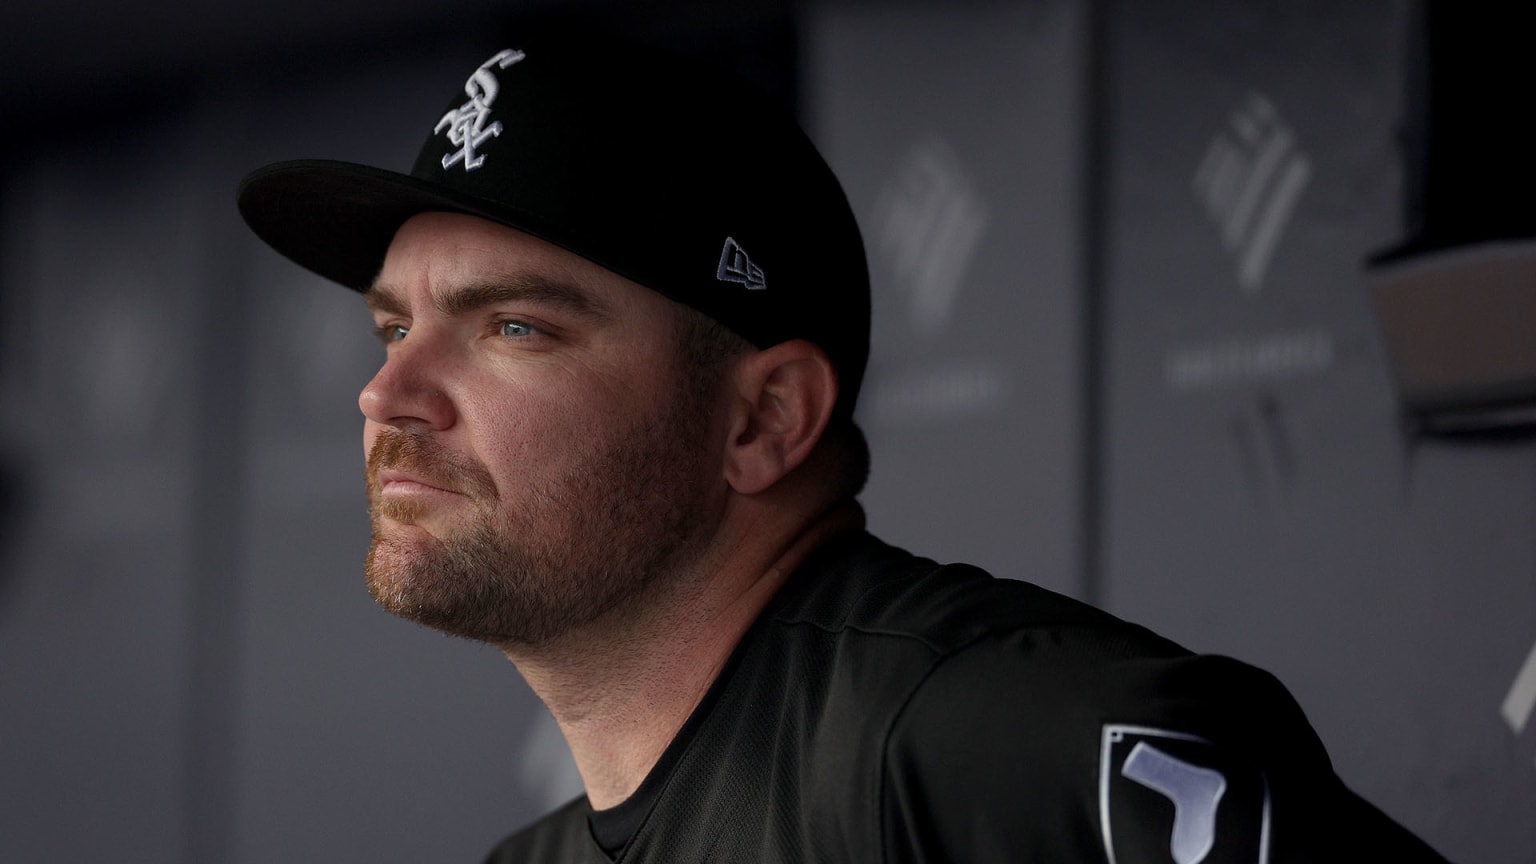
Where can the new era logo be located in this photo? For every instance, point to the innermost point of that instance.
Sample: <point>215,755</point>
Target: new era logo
<point>735,266</point>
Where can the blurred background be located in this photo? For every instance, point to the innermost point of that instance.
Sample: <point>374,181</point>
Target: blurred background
<point>1137,268</point>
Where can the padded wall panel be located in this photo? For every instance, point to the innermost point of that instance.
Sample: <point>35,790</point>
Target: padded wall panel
<point>955,132</point>
<point>1260,498</point>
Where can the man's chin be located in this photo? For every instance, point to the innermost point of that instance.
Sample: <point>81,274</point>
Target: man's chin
<point>426,593</point>
<point>393,578</point>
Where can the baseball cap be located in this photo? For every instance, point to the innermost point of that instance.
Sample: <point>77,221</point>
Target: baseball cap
<point>674,174</point>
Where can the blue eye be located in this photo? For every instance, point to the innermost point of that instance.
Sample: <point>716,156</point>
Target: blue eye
<point>515,329</point>
<point>388,333</point>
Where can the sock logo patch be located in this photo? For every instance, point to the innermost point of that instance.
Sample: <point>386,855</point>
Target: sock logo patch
<point>1173,797</point>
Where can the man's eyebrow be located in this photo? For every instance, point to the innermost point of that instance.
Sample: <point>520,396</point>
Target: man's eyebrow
<point>525,288</point>
<point>380,298</point>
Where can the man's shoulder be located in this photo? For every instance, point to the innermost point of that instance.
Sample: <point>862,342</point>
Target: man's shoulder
<point>862,585</point>
<point>955,641</point>
<point>1082,725</point>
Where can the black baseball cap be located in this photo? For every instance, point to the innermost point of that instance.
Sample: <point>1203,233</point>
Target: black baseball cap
<point>674,174</point>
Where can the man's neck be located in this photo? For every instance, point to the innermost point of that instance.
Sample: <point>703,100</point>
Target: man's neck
<point>622,689</point>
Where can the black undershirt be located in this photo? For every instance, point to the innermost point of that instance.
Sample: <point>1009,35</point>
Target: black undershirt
<point>613,827</point>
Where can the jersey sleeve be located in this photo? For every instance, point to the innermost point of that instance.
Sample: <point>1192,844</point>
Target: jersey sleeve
<point>1052,747</point>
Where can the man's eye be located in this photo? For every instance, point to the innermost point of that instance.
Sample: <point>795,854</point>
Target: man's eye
<point>515,329</point>
<point>388,333</point>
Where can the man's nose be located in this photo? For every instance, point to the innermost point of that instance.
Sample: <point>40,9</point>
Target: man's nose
<point>408,390</point>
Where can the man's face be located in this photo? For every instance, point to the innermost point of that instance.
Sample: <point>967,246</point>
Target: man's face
<point>536,457</point>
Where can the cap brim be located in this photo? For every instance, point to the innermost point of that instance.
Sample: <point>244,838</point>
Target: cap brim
<point>337,219</point>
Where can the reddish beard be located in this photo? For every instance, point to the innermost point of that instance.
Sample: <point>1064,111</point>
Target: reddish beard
<point>561,551</point>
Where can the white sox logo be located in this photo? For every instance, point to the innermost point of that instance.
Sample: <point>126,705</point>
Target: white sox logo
<point>466,125</point>
<point>1220,804</point>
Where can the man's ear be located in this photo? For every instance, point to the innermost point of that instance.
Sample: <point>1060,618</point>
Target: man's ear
<point>782,402</point>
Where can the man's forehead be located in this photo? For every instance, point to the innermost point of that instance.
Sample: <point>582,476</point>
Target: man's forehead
<point>464,261</point>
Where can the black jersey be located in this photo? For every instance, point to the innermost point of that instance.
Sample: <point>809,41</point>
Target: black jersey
<point>884,708</point>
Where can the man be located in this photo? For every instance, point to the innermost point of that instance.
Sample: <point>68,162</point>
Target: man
<point>626,316</point>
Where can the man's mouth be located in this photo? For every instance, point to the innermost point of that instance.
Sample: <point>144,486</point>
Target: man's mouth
<point>403,467</point>
<point>394,482</point>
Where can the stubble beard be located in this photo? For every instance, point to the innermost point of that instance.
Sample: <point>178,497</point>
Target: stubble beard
<point>625,518</point>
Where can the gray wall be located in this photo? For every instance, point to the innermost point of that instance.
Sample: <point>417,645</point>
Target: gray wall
<point>1098,366</point>
<point>1260,498</point>
<point>957,139</point>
